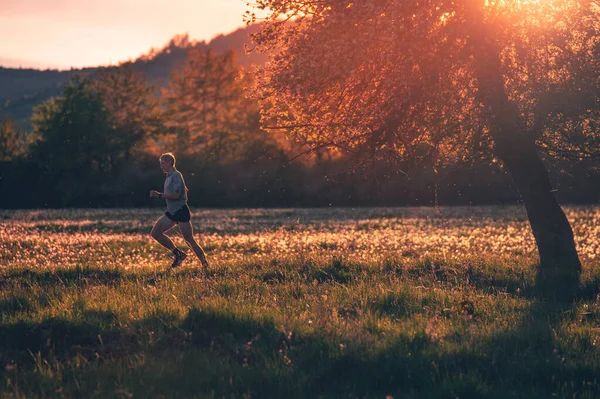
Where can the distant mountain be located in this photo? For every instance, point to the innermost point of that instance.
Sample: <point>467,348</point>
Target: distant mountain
<point>19,62</point>
<point>22,89</point>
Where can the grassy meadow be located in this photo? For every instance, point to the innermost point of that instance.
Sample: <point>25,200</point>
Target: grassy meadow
<point>298,303</point>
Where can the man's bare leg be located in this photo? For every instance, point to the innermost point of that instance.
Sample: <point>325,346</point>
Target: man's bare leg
<point>188,235</point>
<point>158,232</point>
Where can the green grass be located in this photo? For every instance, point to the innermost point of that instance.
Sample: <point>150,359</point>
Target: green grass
<point>330,321</point>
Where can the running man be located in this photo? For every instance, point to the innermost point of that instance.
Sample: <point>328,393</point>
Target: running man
<point>178,212</point>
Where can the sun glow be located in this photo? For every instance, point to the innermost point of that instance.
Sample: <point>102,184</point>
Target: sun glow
<point>93,33</point>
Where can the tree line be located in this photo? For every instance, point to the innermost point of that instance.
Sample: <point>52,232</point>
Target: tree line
<point>97,145</point>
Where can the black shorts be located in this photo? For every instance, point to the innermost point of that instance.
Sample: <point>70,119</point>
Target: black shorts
<point>182,215</point>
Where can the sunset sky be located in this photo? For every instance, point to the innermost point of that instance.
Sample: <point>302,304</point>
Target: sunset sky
<point>77,33</point>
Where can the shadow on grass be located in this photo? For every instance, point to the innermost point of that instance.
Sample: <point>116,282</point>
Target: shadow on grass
<point>207,351</point>
<point>231,355</point>
<point>225,354</point>
<point>524,360</point>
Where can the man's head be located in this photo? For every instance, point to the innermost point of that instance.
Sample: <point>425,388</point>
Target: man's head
<point>167,162</point>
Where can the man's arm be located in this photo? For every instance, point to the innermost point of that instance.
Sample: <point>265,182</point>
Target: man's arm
<point>157,194</point>
<point>173,196</point>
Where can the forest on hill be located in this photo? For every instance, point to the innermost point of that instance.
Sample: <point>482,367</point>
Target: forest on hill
<point>23,89</point>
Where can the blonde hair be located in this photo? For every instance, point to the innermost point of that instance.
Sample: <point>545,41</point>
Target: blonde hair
<point>169,156</point>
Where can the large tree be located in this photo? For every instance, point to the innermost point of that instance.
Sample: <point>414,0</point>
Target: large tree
<point>515,80</point>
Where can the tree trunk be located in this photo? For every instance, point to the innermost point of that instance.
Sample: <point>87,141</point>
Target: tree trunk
<point>560,268</point>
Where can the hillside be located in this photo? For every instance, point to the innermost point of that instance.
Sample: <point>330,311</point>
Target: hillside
<point>22,89</point>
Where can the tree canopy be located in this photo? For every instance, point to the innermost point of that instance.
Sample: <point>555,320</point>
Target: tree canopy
<point>208,112</point>
<point>385,77</point>
<point>13,141</point>
<point>134,110</point>
<point>76,140</point>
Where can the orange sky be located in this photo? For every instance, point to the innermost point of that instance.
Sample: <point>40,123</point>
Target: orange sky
<point>77,33</point>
